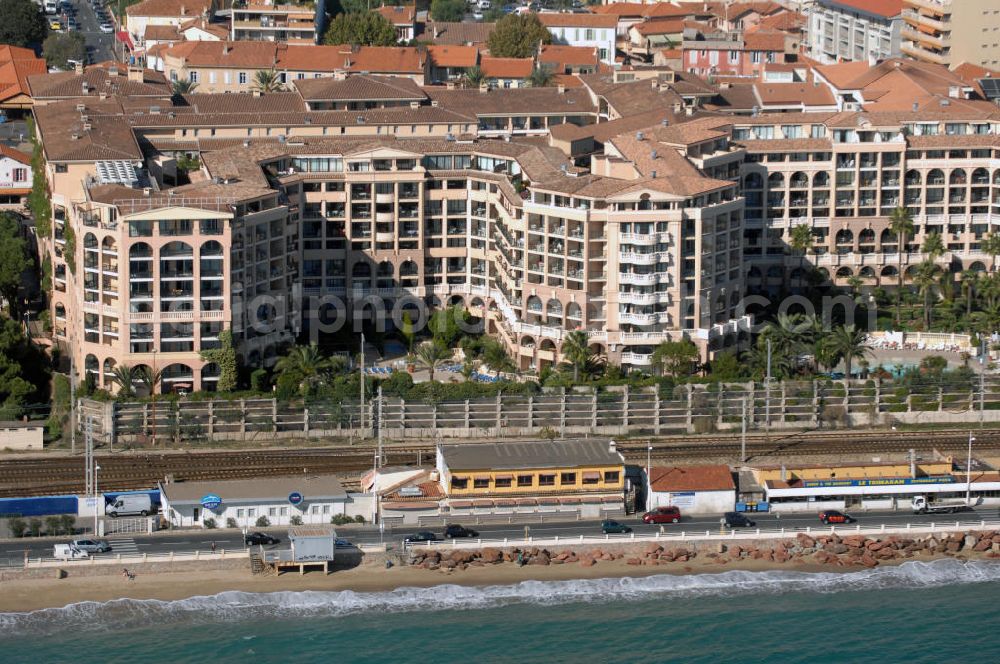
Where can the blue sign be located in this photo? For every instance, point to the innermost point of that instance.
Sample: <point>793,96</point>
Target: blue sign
<point>879,481</point>
<point>295,498</point>
<point>211,501</point>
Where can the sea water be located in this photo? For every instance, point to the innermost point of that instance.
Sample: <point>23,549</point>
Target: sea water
<point>944,611</point>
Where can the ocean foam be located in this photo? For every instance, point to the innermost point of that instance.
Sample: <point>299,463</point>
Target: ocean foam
<point>236,606</point>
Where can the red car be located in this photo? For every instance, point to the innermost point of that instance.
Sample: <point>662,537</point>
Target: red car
<point>662,515</point>
<point>833,516</point>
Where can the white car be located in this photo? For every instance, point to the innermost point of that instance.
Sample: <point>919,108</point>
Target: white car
<point>107,28</point>
<point>477,15</point>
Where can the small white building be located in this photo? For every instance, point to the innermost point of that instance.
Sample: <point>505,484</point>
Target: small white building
<point>315,499</point>
<point>15,177</point>
<point>692,489</point>
<point>15,435</point>
<point>590,30</point>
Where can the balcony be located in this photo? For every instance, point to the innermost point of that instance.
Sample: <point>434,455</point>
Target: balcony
<point>637,359</point>
<point>641,279</point>
<point>644,259</point>
<point>644,298</point>
<point>915,51</point>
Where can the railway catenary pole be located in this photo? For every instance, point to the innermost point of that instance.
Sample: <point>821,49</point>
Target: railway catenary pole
<point>362,412</point>
<point>743,433</point>
<point>982,380</point>
<point>767,391</point>
<point>72,406</point>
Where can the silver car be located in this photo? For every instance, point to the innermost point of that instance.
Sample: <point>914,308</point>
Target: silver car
<point>91,546</point>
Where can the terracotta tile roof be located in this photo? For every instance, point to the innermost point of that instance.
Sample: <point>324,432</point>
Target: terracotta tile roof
<point>568,56</point>
<point>161,33</point>
<point>359,87</point>
<point>668,10</point>
<point>16,155</point>
<point>630,97</point>
<point>553,20</point>
<point>764,40</point>
<point>169,8</point>
<point>439,32</point>
<point>228,54</point>
<point>399,15</point>
<point>65,138</point>
<point>99,80</point>
<point>621,9</point>
<point>660,27</point>
<point>220,30</point>
<point>843,74</point>
<point>16,65</point>
<point>691,478</point>
<point>797,94</point>
<point>273,102</point>
<point>886,8</point>
<point>380,59</point>
<point>534,101</point>
<point>453,56</point>
<point>785,22</point>
<point>506,67</point>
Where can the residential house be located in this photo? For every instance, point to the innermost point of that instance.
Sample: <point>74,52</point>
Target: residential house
<point>164,12</point>
<point>455,34</point>
<point>714,52</point>
<point>358,92</point>
<point>16,65</point>
<point>590,30</point>
<point>646,39</point>
<point>15,176</point>
<point>707,489</point>
<point>506,72</point>
<point>449,63</point>
<point>568,59</point>
<point>404,19</point>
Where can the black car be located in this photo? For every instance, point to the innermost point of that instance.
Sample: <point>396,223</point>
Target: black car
<point>254,539</point>
<point>737,520</point>
<point>422,536</point>
<point>613,527</point>
<point>456,530</point>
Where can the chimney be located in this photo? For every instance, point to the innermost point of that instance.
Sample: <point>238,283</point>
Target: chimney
<point>135,74</point>
<point>437,31</point>
<point>561,89</point>
<point>449,85</point>
<point>183,10</point>
<point>414,104</point>
<point>78,68</point>
<point>225,48</point>
<point>953,91</point>
<point>113,70</point>
<point>483,88</point>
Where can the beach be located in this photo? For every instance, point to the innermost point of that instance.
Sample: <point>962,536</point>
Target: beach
<point>34,594</point>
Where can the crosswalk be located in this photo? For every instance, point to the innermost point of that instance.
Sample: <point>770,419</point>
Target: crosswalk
<point>124,546</point>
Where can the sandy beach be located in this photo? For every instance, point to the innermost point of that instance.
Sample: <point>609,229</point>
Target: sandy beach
<point>34,594</point>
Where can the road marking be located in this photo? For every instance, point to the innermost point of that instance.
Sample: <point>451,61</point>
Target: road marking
<point>123,546</point>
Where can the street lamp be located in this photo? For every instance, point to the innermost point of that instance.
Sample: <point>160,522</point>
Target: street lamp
<point>968,472</point>
<point>96,499</point>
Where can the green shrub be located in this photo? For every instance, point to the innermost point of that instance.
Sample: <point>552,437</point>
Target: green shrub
<point>295,520</point>
<point>209,523</point>
<point>35,527</point>
<point>53,525</point>
<point>68,523</point>
<point>263,522</point>
<point>231,523</point>
<point>17,527</point>
<point>340,519</point>
<point>259,381</point>
<point>359,519</point>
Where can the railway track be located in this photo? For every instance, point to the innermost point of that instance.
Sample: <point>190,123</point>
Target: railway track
<point>135,470</point>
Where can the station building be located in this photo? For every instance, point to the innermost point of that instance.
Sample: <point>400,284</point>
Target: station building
<point>707,489</point>
<point>315,499</point>
<point>871,485</point>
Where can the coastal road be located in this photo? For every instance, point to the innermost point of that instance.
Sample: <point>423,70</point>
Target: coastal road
<point>12,552</point>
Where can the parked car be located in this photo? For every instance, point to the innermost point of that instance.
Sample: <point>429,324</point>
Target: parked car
<point>107,28</point>
<point>737,520</point>
<point>612,527</point>
<point>662,515</point>
<point>833,516</point>
<point>456,530</point>
<point>253,539</point>
<point>91,546</point>
<point>55,25</point>
<point>422,536</point>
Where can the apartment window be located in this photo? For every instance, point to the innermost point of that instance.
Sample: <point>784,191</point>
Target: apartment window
<point>525,480</point>
<point>791,131</point>
<point>272,511</point>
<point>481,483</point>
<point>193,76</point>
<point>755,57</point>
<point>612,476</point>
<point>252,512</point>
<point>239,513</point>
<point>546,480</point>
<point>227,77</point>
<point>459,483</point>
<point>502,481</point>
<point>567,478</point>
<point>588,34</point>
<point>20,175</point>
<point>734,57</point>
<point>765,133</point>
<point>242,78</point>
<point>211,77</point>
<point>590,478</point>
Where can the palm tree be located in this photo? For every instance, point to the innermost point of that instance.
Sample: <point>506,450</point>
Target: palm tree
<point>854,282</point>
<point>847,343</point>
<point>969,283</point>
<point>925,279</point>
<point>473,77</point>
<point>991,245</point>
<point>495,357</point>
<point>431,354</point>
<point>122,376</point>
<point>901,224</point>
<point>801,240</point>
<point>182,87</point>
<point>987,321</point>
<point>933,246</point>
<point>782,359</point>
<point>306,363</point>
<point>576,352</point>
<point>266,81</point>
<point>791,331</point>
<point>540,77</point>
<point>150,378</point>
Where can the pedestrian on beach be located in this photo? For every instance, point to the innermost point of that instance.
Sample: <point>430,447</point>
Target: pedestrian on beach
<point>213,547</point>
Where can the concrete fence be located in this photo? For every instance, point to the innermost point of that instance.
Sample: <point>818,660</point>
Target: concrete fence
<point>617,410</point>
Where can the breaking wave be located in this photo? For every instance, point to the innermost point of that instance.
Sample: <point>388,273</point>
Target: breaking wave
<point>235,606</point>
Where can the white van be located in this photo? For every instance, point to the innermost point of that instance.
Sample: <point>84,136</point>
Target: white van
<point>131,504</point>
<point>51,7</point>
<point>484,4</point>
<point>68,552</point>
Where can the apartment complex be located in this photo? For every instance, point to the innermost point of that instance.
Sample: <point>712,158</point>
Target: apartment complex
<point>265,21</point>
<point>950,32</point>
<point>387,196</point>
<point>855,30</point>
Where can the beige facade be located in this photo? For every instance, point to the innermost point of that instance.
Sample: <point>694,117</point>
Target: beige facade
<point>21,435</point>
<point>272,22</point>
<point>950,32</point>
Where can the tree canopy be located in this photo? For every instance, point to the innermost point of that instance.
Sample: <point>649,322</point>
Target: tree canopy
<point>448,10</point>
<point>60,47</point>
<point>13,260</point>
<point>517,36</point>
<point>363,29</point>
<point>23,24</point>
<point>23,370</point>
